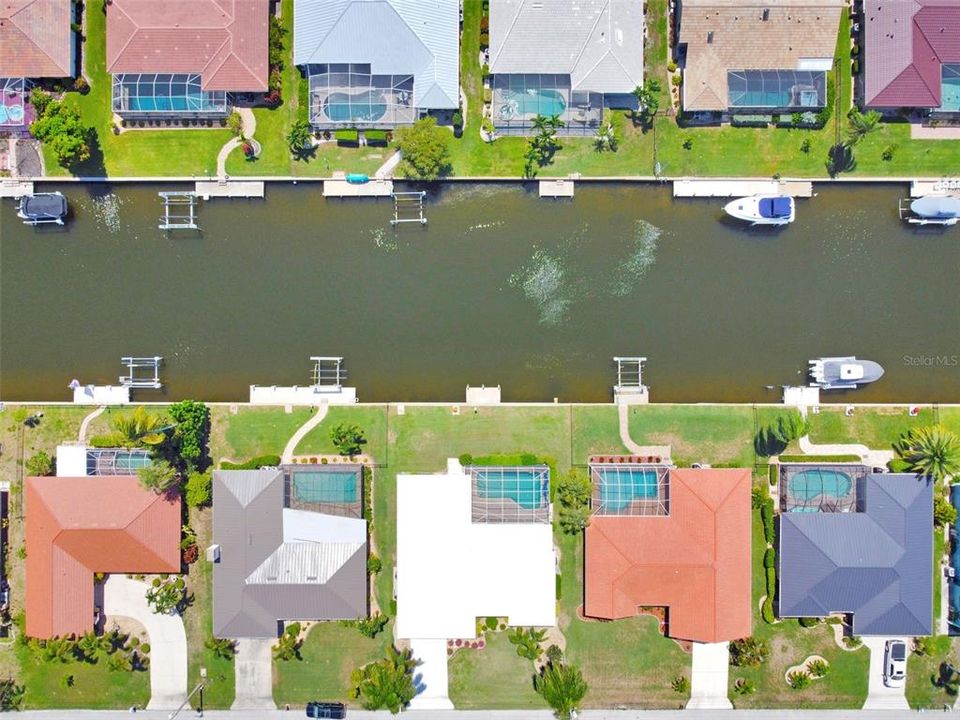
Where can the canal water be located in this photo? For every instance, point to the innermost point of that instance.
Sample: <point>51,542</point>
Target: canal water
<point>499,288</point>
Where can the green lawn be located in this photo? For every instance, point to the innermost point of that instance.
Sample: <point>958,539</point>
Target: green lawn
<point>923,674</point>
<point>596,430</point>
<point>372,419</point>
<point>255,431</point>
<point>790,644</point>
<point>875,427</point>
<point>174,151</point>
<point>492,678</point>
<point>720,435</point>
<point>330,653</point>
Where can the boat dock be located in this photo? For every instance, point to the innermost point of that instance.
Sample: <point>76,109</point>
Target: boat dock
<point>15,188</point>
<point>301,395</point>
<point>556,189</point>
<point>339,187</point>
<point>230,189</point>
<point>950,186</point>
<point>741,188</point>
<point>483,395</point>
<point>101,394</point>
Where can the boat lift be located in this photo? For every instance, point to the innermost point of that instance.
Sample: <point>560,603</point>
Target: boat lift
<point>630,387</point>
<point>328,373</point>
<point>907,213</point>
<point>144,372</point>
<point>408,207</point>
<point>179,211</point>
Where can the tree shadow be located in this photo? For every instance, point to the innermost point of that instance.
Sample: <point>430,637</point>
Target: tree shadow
<point>766,443</point>
<point>93,166</point>
<point>840,159</point>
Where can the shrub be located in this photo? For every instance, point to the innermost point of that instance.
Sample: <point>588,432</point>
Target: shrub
<point>554,654</point>
<point>766,516</point>
<point>466,459</point>
<point>818,668</point>
<point>672,66</point>
<point>347,439</point>
<point>457,119</point>
<point>771,573</point>
<point>199,489</point>
<point>166,597</point>
<point>374,564</point>
<point>743,686</point>
<point>773,475</point>
<point>769,558</point>
<point>943,511</point>
<point>805,145</point>
<point>426,150</point>
<point>255,463</point>
<point>347,135</point>
<point>145,648</point>
<point>758,496</point>
<point>190,555</point>
<point>527,641</point>
<point>574,490</point>
<point>561,686</point>
<point>888,151</point>
<point>808,622</point>
<point>559,583</point>
<point>852,641</point>
<point>372,626</point>
<point>749,652</point>
<point>687,142</point>
<point>39,464</point>
<point>158,477</point>
<point>487,95</point>
<point>681,685</point>
<point>766,611</point>
<point>377,137</point>
<point>798,679</point>
<point>222,648</point>
<point>235,124</point>
<point>81,85</point>
<point>40,100</point>
<point>109,440</point>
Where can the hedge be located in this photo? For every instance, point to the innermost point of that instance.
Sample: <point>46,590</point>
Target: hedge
<point>766,515</point>
<point>819,458</point>
<point>809,622</point>
<point>558,585</point>
<point>253,463</point>
<point>766,612</point>
<point>109,440</point>
<point>769,558</point>
<point>347,135</point>
<point>773,472</point>
<point>375,136</point>
<point>771,581</point>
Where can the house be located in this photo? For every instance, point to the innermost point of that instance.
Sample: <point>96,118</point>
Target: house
<point>912,55</point>
<point>184,58</point>
<point>78,526</point>
<point>673,538</point>
<point>377,63</point>
<point>471,542</point>
<point>79,460</point>
<point>290,544</point>
<point>569,58</point>
<point>36,41</point>
<point>871,558</point>
<point>756,56</point>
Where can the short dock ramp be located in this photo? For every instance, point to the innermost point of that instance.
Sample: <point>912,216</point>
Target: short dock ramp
<point>946,186</point>
<point>15,188</point>
<point>341,188</point>
<point>230,189</point>
<point>556,188</point>
<point>704,188</point>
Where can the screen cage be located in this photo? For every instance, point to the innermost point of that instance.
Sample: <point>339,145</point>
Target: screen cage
<point>777,89</point>
<point>165,94</point>
<point>350,95</point>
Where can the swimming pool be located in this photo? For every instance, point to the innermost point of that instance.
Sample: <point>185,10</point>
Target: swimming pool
<point>515,105</point>
<point>325,486</point>
<point>621,486</point>
<point>367,106</point>
<point>815,482</point>
<point>527,487</point>
<point>950,89</point>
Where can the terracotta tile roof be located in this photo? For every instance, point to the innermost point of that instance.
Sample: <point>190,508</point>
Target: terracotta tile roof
<point>225,41</point>
<point>695,562</point>
<point>906,44</point>
<point>743,40</point>
<point>80,526</point>
<point>35,38</point>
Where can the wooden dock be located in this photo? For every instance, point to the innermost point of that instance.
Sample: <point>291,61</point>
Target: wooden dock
<point>950,186</point>
<point>556,189</point>
<point>230,189</point>
<point>342,188</point>
<point>15,188</point>
<point>741,188</point>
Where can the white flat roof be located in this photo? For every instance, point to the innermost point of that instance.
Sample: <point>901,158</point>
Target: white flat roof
<point>451,571</point>
<point>72,460</point>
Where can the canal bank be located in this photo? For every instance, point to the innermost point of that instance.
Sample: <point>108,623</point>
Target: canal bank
<point>499,288</point>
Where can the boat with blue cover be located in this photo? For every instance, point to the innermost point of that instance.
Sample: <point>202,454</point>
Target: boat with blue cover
<point>932,210</point>
<point>762,209</point>
<point>42,208</point>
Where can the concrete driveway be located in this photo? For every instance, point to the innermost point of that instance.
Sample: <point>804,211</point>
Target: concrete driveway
<point>709,677</point>
<point>879,696</point>
<point>254,669</point>
<point>168,641</point>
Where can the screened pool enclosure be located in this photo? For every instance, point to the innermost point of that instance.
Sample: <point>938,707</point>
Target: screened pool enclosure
<point>165,94</point>
<point>349,95</point>
<point>950,89</point>
<point>518,99</point>
<point>777,89</point>
<point>12,109</point>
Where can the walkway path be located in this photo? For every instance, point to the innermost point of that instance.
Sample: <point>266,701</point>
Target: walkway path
<point>879,696</point>
<point>254,670</point>
<point>710,676</point>
<point>168,641</point>
<point>249,128</point>
<point>302,431</point>
<point>386,170</point>
<point>661,451</point>
<point>870,457</point>
<point>82,435</point>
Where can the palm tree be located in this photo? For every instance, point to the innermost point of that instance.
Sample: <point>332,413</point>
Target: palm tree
<point>527,641</point>
<point>158,476</point>
<point>861,125</point>
<point>90,647</point>
<point>932,451</point>
<point>388,683</point>
<point>223,648</point>
<point>141,428</point>
<point>555,123</point>
<point>562,686</point>
<point>540,123</point>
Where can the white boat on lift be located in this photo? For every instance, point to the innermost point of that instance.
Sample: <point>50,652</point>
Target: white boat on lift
<point>763,209</point>
<point>42,208</point>
<point>932,210</point>
<point>843,373</point>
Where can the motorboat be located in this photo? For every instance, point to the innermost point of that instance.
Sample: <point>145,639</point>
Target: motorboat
<point>843,373</point>
<point>932,210</point>
<point>42,208</point>
<point>762,209</point>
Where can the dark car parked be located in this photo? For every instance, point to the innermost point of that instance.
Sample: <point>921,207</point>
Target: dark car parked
<point>326,710</point>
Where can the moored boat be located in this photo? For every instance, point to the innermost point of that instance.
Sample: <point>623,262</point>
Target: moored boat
<point>932,210</point>
<point>843,373</point>
<point>763,209</point>
<point>42,208</point>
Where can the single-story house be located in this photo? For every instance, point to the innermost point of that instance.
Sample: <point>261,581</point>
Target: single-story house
<point>912,54</point>
<point>471,542</point>
<point>676,538</point>
<point>756,56</point>
<point>569,58</point>
<point>377,63</point>
<point>289,544</point>
<point>183,58</point>
<point>874,561</point>
<point>36,41</point>
<point>78,526</point>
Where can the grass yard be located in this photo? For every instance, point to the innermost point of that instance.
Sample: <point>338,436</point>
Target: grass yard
<point>494,678</point>
<point>330,653</point>
<point>596,430</point>
<point>720,435</point>
<point>790,644</point>
<point>174,151</point>
<point>875,427</point>
<point>372,419</point>
<point>924,692</point>
<point>254,431</point>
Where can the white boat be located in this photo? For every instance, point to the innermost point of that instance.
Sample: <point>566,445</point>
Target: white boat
<point>843,373</point>
<point>932,210</point>
<point>42,208</point>
<point>762,209</point>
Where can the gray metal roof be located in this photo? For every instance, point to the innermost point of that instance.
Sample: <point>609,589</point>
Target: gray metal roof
<point>876,564</point>
<point>315,570</point>
<point>395,37</point>
<point>599,43</point>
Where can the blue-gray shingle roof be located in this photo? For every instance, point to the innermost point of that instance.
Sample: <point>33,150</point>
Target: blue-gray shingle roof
<point>876,564</point>
<point>395,37</point>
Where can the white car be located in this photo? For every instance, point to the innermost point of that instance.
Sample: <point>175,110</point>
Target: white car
<point>895,663</point>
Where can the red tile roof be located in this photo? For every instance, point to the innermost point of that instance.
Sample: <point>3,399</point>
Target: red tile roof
<point>35,38</point>
<point>695,561</point>
<point>907,41</point>
<point>76,527</point>
<point>225,41</point>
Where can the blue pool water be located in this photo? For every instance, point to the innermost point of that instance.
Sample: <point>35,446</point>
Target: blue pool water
<point>516,105</point>
<point>809,484</point>
<point>325,486</point>
<point>620,487</point>
<point>527,487</point>
<point>950,89</point>
<point>364,107</point>
<point>160,103</point>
